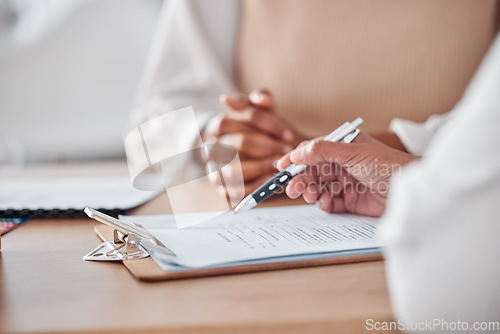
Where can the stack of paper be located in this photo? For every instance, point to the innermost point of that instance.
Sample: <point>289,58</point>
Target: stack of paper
<point>258,236</point>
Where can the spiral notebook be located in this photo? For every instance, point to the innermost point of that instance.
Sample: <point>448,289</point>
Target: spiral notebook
<point>51,197</point>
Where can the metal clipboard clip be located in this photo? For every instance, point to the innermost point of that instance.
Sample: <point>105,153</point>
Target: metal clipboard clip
<point>125,244</point>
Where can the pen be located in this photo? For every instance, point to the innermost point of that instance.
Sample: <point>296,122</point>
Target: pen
<point>346,133</point>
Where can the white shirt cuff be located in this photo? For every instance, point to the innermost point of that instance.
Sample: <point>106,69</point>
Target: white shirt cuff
<point>416,136</point>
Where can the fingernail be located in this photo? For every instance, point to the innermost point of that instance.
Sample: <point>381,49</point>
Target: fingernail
<point>288,135</point>
<point>255,97</point>
<point>275,163</point>
<point>320,202</point>
<point>278,163</point>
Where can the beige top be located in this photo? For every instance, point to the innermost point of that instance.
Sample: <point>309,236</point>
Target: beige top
<point>327,62</point>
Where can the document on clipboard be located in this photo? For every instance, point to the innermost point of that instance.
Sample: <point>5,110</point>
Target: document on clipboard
<point>256,237</point>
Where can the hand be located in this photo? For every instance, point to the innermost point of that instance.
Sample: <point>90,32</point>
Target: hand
<point>345,177</point>
<point>260,136</point>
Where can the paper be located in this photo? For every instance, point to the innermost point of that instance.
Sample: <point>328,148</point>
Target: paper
<point>258,235</point>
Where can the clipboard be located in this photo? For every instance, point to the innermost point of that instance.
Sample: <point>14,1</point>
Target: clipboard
<point>121,244</point>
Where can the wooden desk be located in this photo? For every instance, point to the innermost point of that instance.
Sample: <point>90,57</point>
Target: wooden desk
<point>46,287</point>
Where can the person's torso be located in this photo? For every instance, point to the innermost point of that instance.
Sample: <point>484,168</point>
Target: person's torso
<point>329,61</point>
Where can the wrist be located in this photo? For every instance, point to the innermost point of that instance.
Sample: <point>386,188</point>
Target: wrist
<point>389,139</point>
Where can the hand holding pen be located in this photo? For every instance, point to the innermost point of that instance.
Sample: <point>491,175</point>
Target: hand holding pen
<point>345,178</point>
<point>346,133</point>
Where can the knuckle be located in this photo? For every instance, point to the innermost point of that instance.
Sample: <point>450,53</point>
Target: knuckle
<point>224,123</point>
<point>303,144</point>
<point>212,126</point>
<point>241,141</point>
<point>244,142</point>
<point>315,146</point>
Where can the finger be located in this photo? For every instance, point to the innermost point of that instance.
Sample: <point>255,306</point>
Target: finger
<point>261,98</point>
<point>320,151</point>
<point>212,127</point>
<point>338,205</point>
<point>325,202</point>
<point>234,102</point>
<point>285,161</point>
<point>254,168</point>
<point>250,168</point>
<point>334,188</point>
<point>264,121</point>
<point>296,187</point>
<point>254,145</point>
<point>349,196</point>
<point>222,124</point>
<point>320,174</point>
<point>312,192</point>
<point>311,180</point>
<point>317,187</point>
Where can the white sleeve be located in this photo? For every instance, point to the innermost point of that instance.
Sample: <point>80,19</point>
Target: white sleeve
<point>416,136</point>
<point>191,60</point>
<point>442,223</point>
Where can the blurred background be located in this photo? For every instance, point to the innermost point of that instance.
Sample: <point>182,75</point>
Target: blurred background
<point>69,70</point>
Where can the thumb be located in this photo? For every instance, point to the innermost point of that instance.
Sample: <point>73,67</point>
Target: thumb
<point>261,98</point>
<point>319,151</point>
<point>234,102</point>
<point>284,161</point>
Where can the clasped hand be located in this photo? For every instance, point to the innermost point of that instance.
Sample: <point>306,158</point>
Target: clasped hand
<point>260,136</point>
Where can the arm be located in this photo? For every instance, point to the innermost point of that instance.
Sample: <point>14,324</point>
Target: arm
<point>191,60</point>
<point>192,63</point>
<point>442,223</point>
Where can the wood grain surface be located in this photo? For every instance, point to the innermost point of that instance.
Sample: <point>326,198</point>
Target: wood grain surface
<point>46,287</point>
